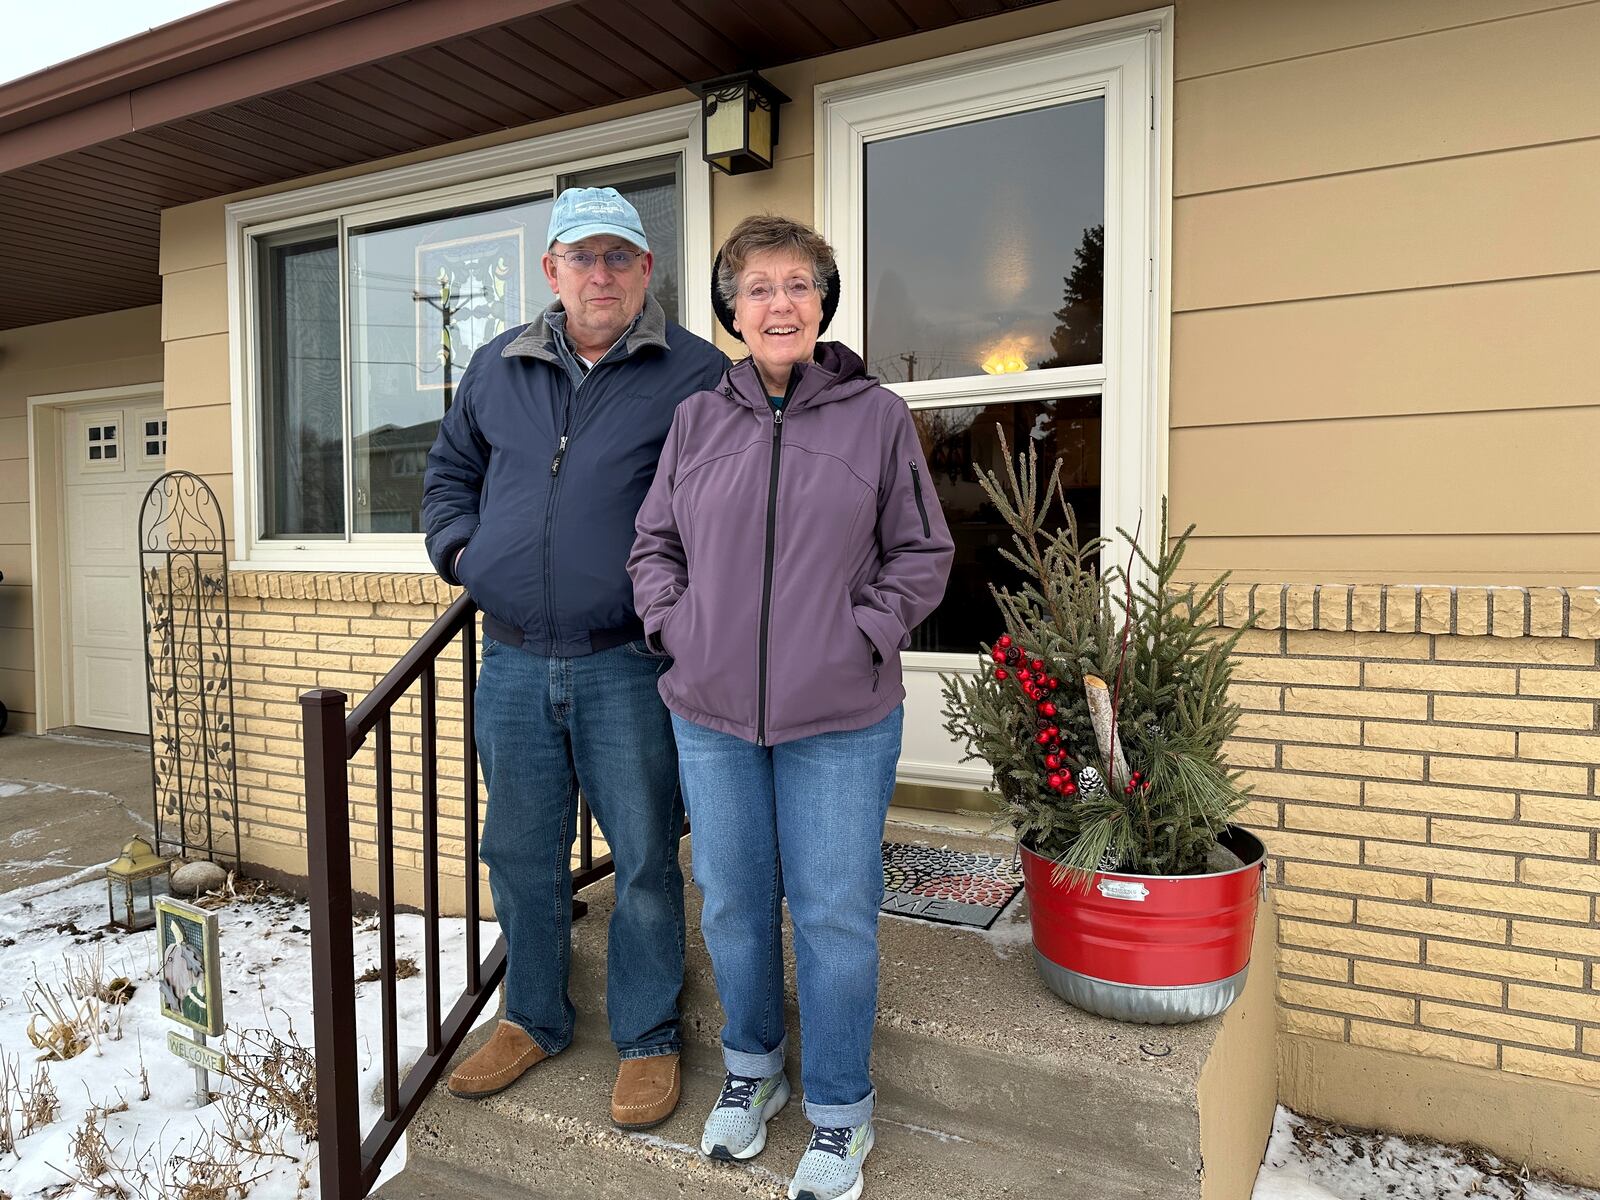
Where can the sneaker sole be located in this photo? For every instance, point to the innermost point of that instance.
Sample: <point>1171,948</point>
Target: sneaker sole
<point>758,1143</point>
<point>856,1188</point>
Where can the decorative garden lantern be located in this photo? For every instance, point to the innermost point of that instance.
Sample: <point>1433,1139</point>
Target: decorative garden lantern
<point>739,116</point>
<point>131,886</point>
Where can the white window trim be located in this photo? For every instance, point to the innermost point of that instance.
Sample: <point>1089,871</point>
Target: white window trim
<point>498,172</point>
<point>1128,61</point>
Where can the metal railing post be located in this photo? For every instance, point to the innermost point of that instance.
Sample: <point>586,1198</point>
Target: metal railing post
<point>333,988</point>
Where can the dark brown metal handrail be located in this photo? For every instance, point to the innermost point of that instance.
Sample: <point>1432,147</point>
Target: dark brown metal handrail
<point>350,1163</point>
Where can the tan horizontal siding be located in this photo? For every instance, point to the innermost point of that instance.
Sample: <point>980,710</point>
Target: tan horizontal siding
<point>1225,35</point>
<point>1520,344</point>
<point>198,373</point>
<point>194,303</point>
<point>1464,473</point>
<point>1495,86</point>
<point>1508,215</point>
<point>1386,277</point>
<point>16,648</point>
<point>13,481</point>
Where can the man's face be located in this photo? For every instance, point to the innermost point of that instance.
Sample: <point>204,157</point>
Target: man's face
<point>601,302</point>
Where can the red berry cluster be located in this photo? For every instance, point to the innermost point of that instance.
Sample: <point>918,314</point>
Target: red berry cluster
<point>1037,686</point>
<point>1136,781</point>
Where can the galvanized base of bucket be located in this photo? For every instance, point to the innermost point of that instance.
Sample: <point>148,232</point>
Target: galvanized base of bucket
<point>1143,1004</point>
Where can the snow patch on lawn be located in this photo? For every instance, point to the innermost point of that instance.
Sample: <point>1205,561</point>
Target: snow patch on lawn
<point>266,978</point>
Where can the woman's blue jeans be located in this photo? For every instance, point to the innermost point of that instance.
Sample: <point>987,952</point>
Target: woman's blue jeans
<point>545,728</point>
<point>801,821</point>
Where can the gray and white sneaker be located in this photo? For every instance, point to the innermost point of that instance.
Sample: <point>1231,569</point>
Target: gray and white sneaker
<point>737,1126</point>
<point>830,1169</point>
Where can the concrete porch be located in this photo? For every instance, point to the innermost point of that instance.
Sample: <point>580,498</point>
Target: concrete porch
<point>989,1087</point>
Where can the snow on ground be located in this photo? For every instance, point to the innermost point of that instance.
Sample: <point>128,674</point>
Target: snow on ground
<point>1312,1160</point>
<point>266,979</point>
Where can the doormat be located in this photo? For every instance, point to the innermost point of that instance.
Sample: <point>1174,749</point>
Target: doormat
<point>955,887</point>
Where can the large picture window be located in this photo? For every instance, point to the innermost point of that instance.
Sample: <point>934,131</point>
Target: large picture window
<point>359,322</point>
<point>996,216</point>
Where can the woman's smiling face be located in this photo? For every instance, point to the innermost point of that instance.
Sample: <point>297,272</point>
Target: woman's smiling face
<point>779,329</point>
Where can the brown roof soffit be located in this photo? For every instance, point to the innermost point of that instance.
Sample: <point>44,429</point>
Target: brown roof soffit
<point>222,56</point>
<point>198,40</point>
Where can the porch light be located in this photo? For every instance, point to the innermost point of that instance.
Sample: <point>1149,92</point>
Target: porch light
<point>130,886</point>
<point>739,118</point>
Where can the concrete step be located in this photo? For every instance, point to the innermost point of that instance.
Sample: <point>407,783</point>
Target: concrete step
<point>439,1179</point>
<point>988,1085</point>
<point>551,1135</point>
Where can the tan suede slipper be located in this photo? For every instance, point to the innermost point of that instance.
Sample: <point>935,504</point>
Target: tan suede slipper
<point>647,1091</point>
<point>497,1065</point>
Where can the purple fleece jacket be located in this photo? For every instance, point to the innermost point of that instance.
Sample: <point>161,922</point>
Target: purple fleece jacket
<point>782,557</point>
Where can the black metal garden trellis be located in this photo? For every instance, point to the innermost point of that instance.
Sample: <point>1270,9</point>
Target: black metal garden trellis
<point>188,644</point>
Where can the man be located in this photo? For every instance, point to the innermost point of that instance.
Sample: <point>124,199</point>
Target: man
<point>529,502</point>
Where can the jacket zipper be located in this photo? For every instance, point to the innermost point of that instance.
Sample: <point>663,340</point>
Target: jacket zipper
<point>916,485</point>
<point>766,578</point>
<point>549,536</point>
<point>550,506</point>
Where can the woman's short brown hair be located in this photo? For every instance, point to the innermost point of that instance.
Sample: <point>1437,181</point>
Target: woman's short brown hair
<point>765,233</point>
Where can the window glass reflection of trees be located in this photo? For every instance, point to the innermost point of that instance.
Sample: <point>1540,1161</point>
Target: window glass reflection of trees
<point>974,233</point>
<point>302,426</point>
<point>959,441</point>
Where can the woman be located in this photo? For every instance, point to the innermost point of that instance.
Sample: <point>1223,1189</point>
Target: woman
<point>788,545</point>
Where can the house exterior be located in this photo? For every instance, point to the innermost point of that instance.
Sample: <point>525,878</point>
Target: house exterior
<point>1326,276</point>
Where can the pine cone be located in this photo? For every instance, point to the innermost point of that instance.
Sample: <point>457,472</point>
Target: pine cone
<point>1090,780</point>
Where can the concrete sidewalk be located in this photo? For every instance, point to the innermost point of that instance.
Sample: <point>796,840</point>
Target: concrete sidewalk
<point>69,801</point>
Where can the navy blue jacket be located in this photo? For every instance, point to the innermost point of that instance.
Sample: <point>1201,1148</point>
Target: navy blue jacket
<point>539,471</point>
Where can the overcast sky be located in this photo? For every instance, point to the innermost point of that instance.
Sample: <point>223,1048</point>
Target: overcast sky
<point>39,35</point>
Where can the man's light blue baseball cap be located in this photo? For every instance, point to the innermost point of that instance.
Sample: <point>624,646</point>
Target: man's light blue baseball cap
<point>585,212</point>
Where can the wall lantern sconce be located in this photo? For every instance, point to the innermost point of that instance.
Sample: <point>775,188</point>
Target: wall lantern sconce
<point>130,886</point>
<point>739,118</point>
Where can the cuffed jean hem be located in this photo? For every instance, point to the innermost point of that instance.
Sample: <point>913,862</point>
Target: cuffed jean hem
<point>660,1051</point>
<point>840,1116</point>
<point>549,1045</point>
<point>754,1066</point>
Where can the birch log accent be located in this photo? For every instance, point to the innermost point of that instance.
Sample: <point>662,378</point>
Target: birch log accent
<point>1100,712</point>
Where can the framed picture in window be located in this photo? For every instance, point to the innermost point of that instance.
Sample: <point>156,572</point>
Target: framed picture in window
<point>468,291</point>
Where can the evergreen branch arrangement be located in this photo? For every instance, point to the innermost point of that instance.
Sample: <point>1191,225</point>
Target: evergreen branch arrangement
<point>1102,707</point>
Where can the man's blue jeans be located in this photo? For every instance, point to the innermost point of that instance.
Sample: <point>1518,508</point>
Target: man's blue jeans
<point>545,728</point>
<point>802,821</point>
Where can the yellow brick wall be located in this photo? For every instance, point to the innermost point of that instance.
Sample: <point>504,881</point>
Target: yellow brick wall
<point>294,632</point>
<point>1423,762</point>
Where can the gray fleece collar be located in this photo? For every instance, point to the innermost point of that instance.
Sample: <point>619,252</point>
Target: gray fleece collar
<point>538,339</point>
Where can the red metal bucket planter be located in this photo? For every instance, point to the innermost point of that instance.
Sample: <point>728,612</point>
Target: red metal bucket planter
<point>1157,949</point>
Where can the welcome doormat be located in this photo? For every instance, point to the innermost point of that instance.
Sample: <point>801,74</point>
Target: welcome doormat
<point>955,887</point>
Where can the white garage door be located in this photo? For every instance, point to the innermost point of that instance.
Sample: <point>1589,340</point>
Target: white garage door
<point>111,456</point>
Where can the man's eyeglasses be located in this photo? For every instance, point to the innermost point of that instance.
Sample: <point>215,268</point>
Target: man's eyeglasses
<point>798,290</point>
<point>616,260</point>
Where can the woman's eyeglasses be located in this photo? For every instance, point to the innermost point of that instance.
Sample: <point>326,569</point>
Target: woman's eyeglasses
<point>798,290</point>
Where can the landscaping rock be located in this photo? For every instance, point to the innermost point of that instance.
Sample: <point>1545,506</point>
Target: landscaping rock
<point>195,878</point>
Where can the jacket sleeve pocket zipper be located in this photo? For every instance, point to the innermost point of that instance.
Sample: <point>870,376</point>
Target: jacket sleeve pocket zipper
<point>922,507</point>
